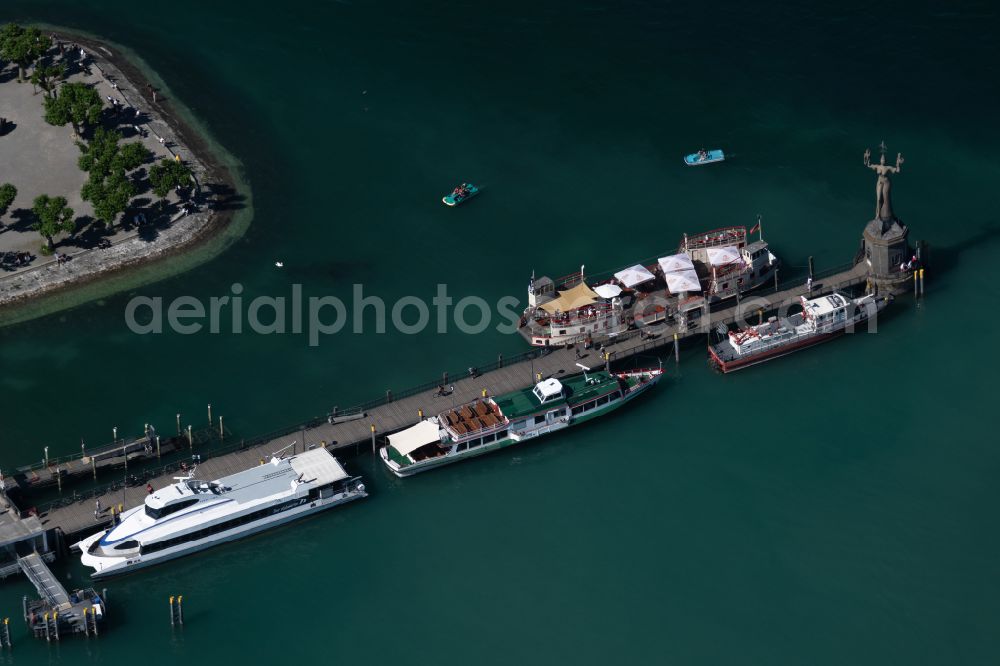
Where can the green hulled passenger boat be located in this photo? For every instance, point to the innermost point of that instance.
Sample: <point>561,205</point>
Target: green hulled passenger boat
<point>492,423</point>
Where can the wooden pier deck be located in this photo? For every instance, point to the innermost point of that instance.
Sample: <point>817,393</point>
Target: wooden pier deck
<point>78,518</point>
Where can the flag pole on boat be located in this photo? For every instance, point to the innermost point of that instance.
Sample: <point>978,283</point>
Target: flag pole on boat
<point>758,228</point>
<point>585,371</point>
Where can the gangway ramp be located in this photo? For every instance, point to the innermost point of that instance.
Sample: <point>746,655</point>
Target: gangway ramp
<point>44,580</point>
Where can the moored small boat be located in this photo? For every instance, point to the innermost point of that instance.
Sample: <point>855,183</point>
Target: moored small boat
<point>460,194</point>
<point>705,157</point>
<point>493,423</point>
<point>821,319</point>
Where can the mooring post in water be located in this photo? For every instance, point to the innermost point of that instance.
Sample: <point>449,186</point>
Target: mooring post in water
<point>180,609</point>
<point>190,439</point>
<point>760,316</point>
<point>499,360</point>
<point>6,632</point>
<point>178,424</point>
<point>677,349</point>
<point>444,379</point>
<point>45,619</point>
<point>388,396</point>
<point>172,617</point>
<point>209,415</point>
<point>93,465</point>
<point>58,479</point>
<point>157,447</point>
<point>222,430</point>
<point>373,438</point>
<point>86,622</point>
<point>916,283</point>
<point>921,282</point>
<point>775,280</point>
<point>55,623</point>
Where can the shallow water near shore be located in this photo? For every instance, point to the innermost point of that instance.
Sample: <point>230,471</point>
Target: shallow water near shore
<point>837,506</point>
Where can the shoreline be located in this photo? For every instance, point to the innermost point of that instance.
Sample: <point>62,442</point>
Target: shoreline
<point>186,242</point>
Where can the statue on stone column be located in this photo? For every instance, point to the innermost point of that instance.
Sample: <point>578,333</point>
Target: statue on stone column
<point>883,201</point>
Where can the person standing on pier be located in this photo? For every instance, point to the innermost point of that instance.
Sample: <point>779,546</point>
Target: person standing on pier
<point>97,509</point>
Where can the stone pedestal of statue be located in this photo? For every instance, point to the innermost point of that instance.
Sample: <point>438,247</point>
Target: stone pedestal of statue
<point>886,249</point>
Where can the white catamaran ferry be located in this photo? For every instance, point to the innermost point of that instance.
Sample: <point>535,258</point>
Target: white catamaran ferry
<point>821,319</point>
<point>489,424</point>
<point>192,515</point>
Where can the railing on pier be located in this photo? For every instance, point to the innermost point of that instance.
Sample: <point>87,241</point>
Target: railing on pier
<point>500,362</point>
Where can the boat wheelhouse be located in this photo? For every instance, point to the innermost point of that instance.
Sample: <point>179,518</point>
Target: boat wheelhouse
<point>492,423</point>
<point>192,515</point>
<point>820,319</point>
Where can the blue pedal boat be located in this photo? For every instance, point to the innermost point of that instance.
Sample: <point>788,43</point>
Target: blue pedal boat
<point>460,194</point>
<point>704,157</point>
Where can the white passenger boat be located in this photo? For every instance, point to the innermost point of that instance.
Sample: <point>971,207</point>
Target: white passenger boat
<point>821,319</point>
<point>192,515</point>
<point>490,424</point>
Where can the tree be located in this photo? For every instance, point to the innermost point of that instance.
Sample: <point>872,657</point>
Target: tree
<point>108,188</point>
<point>99,152</point>
<point>76,103</point>
<point>167,175</point>
<point>133,155</point>
<point>52,216</point>
<point>103,156</point>
<point>110,196</point>
<point>45,77</point>
<point>23,46</point>
<point>7,194</point>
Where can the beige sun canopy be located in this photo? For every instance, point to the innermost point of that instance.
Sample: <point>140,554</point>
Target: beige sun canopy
<point>411,439</point>
<point>579,296</point>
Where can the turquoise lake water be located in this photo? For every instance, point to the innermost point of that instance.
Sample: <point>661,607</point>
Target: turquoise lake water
<point>834,507</point>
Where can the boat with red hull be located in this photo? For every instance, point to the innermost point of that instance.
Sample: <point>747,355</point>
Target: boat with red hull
<point>820,320</point>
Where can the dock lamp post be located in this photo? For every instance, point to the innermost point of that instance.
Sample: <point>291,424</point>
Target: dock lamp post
<point>46,456</point>
<point>124,449</point>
